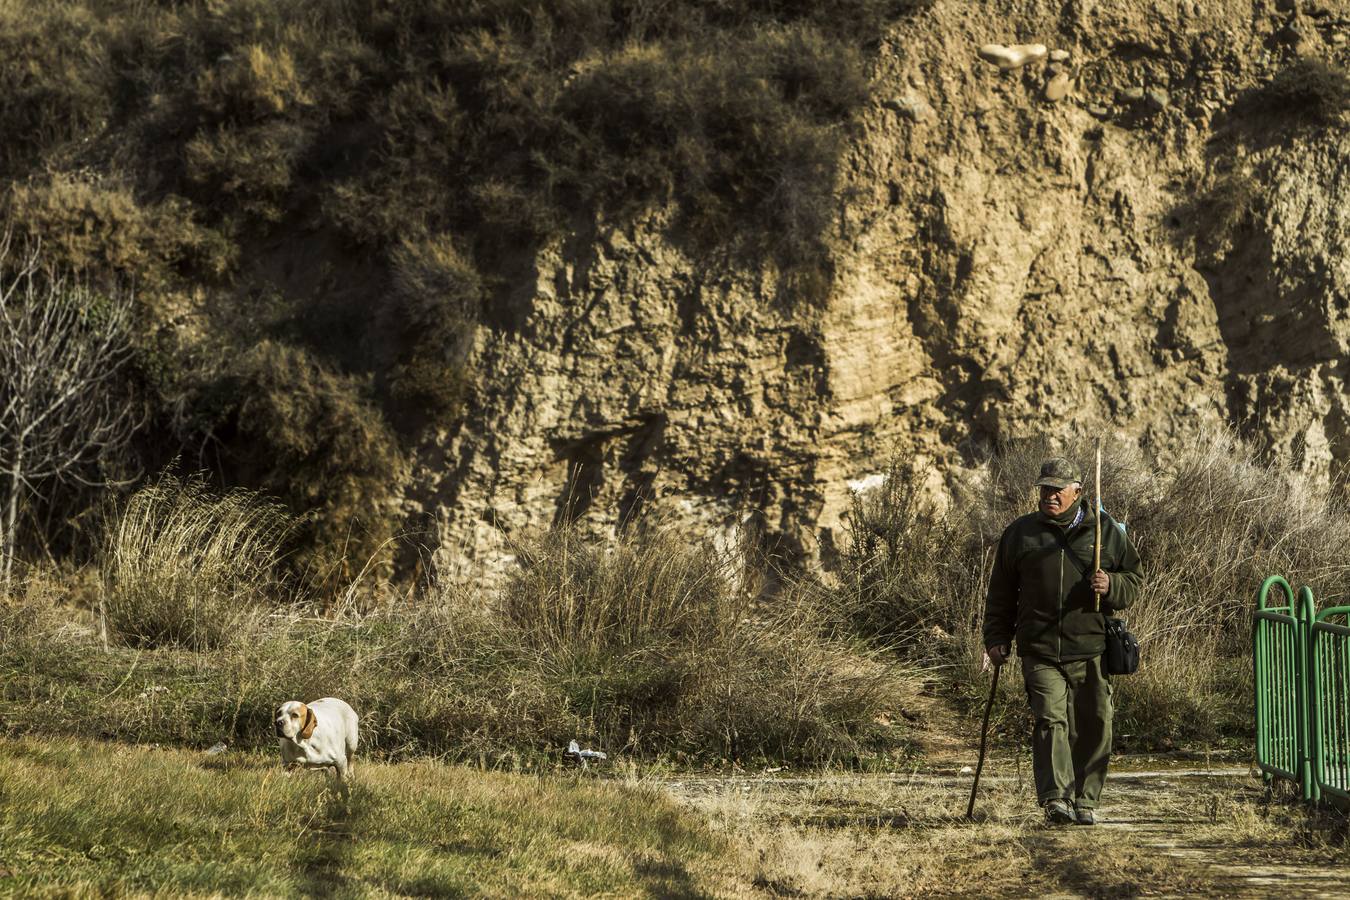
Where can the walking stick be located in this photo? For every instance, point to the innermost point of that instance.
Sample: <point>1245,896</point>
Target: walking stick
<point>1097,529</point>
<point>984,742</point>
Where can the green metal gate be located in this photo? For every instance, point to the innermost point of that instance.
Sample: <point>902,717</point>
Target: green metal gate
<point>1330,721</point>
<point>1301,661</point>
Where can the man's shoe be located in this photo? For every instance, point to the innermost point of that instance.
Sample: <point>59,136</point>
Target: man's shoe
<point>1085,817</point>
<point>1058,812</point>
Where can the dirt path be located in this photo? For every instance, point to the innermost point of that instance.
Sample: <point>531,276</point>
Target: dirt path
<point>1180,829</point>
<point>1183,815</point>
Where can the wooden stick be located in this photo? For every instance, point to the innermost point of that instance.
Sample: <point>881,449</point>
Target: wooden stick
<point>1097,537</point>
<point>984,742</point>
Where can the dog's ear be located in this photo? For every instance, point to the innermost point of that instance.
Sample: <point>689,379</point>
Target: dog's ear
<point>310,721</point>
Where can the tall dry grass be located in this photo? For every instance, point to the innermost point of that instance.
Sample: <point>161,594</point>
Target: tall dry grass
<point>661,642</point>
<point>186,567</point>
<point>650,644</point>
<point>1210,523</point>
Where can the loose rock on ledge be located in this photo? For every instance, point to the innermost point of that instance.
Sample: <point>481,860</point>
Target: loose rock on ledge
<point>911,106</point>
<point>1057,88</point>
<point>1013,57</point>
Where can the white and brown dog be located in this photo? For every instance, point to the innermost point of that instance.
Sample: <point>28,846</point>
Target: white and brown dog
<point>318,735</point>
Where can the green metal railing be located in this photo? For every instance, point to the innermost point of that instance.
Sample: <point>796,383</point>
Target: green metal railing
<point>1301,660</point>
<point>1330,692</point>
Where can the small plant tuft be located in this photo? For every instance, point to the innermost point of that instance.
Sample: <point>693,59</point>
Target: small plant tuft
<point>1309,92</point>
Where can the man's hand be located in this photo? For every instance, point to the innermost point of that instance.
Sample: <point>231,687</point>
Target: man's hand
<point>1101,583</point>
<point>998,654</point>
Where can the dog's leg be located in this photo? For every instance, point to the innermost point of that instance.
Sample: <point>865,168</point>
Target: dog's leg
<point>340,774</point>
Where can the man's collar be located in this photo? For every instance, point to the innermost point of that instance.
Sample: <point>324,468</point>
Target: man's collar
<point>1069,524</point>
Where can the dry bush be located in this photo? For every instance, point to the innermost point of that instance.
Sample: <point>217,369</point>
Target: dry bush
<point>55,79</point>
<point>440,295</point>
<point>412,143</point>
<point>899,573</point>
<point>313,439</point>
<point>251,168</point>
<point>1309,93</point>
<point>251,84</point>
<point>185,567</point>
<point>1230,202</point>
<point>1210,524</point>
<point>654,645</point>
<point>99,228</point>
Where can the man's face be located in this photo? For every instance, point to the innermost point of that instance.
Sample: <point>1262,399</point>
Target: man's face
<point>1055,500</point>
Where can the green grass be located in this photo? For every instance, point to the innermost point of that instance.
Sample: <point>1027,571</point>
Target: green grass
<point>94,819</point>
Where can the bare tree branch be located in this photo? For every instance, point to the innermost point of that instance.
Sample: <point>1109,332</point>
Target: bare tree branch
<point>63,347</point>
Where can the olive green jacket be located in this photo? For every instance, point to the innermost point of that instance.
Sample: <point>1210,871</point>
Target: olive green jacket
<point>1041,595</point>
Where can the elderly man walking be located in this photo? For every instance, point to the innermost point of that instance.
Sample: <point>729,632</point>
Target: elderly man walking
<point>1043,595</point>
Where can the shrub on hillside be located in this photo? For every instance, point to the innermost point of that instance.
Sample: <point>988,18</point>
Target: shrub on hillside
<point>1309,91</point>
<point>252,84</point>
<point>439,294</point>
<point>1229,203</point>
<point>188,137</point>
<point>184,567</point>
<point>250,169</point>
<point>55,80</point>
<point>314,440</point>
<point>737,130</point>
<point>100,230</point>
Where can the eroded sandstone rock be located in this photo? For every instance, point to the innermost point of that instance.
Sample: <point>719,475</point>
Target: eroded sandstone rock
<point>1013,57</point>
<point>1004,271</point>
<point>1058,87</point>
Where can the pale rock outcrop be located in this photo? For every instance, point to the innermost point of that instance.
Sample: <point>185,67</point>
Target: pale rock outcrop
<point>1014,57</point>
<point>1011,268</point>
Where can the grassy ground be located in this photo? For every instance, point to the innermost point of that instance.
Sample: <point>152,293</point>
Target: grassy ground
<point>906,835</point>
<point>101,819</point>
<point>81,819</point>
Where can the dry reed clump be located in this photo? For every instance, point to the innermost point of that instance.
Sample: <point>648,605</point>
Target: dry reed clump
<point>900,577</point>
<point>1209,523</point>
<point>188,568</point>
<point>655,642</point>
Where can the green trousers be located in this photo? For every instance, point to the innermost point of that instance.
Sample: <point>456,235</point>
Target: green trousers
<point>1071,741</point>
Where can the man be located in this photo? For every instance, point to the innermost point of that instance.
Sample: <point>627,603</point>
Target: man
<point>1043,595</point>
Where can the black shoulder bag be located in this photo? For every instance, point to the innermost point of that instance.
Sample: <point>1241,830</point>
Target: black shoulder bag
<point>1122,648</point>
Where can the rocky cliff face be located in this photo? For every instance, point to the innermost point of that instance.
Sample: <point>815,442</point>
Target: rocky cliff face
<point>1145,252</point>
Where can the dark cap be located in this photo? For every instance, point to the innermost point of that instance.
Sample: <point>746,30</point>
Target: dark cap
<point>1057,472</point>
